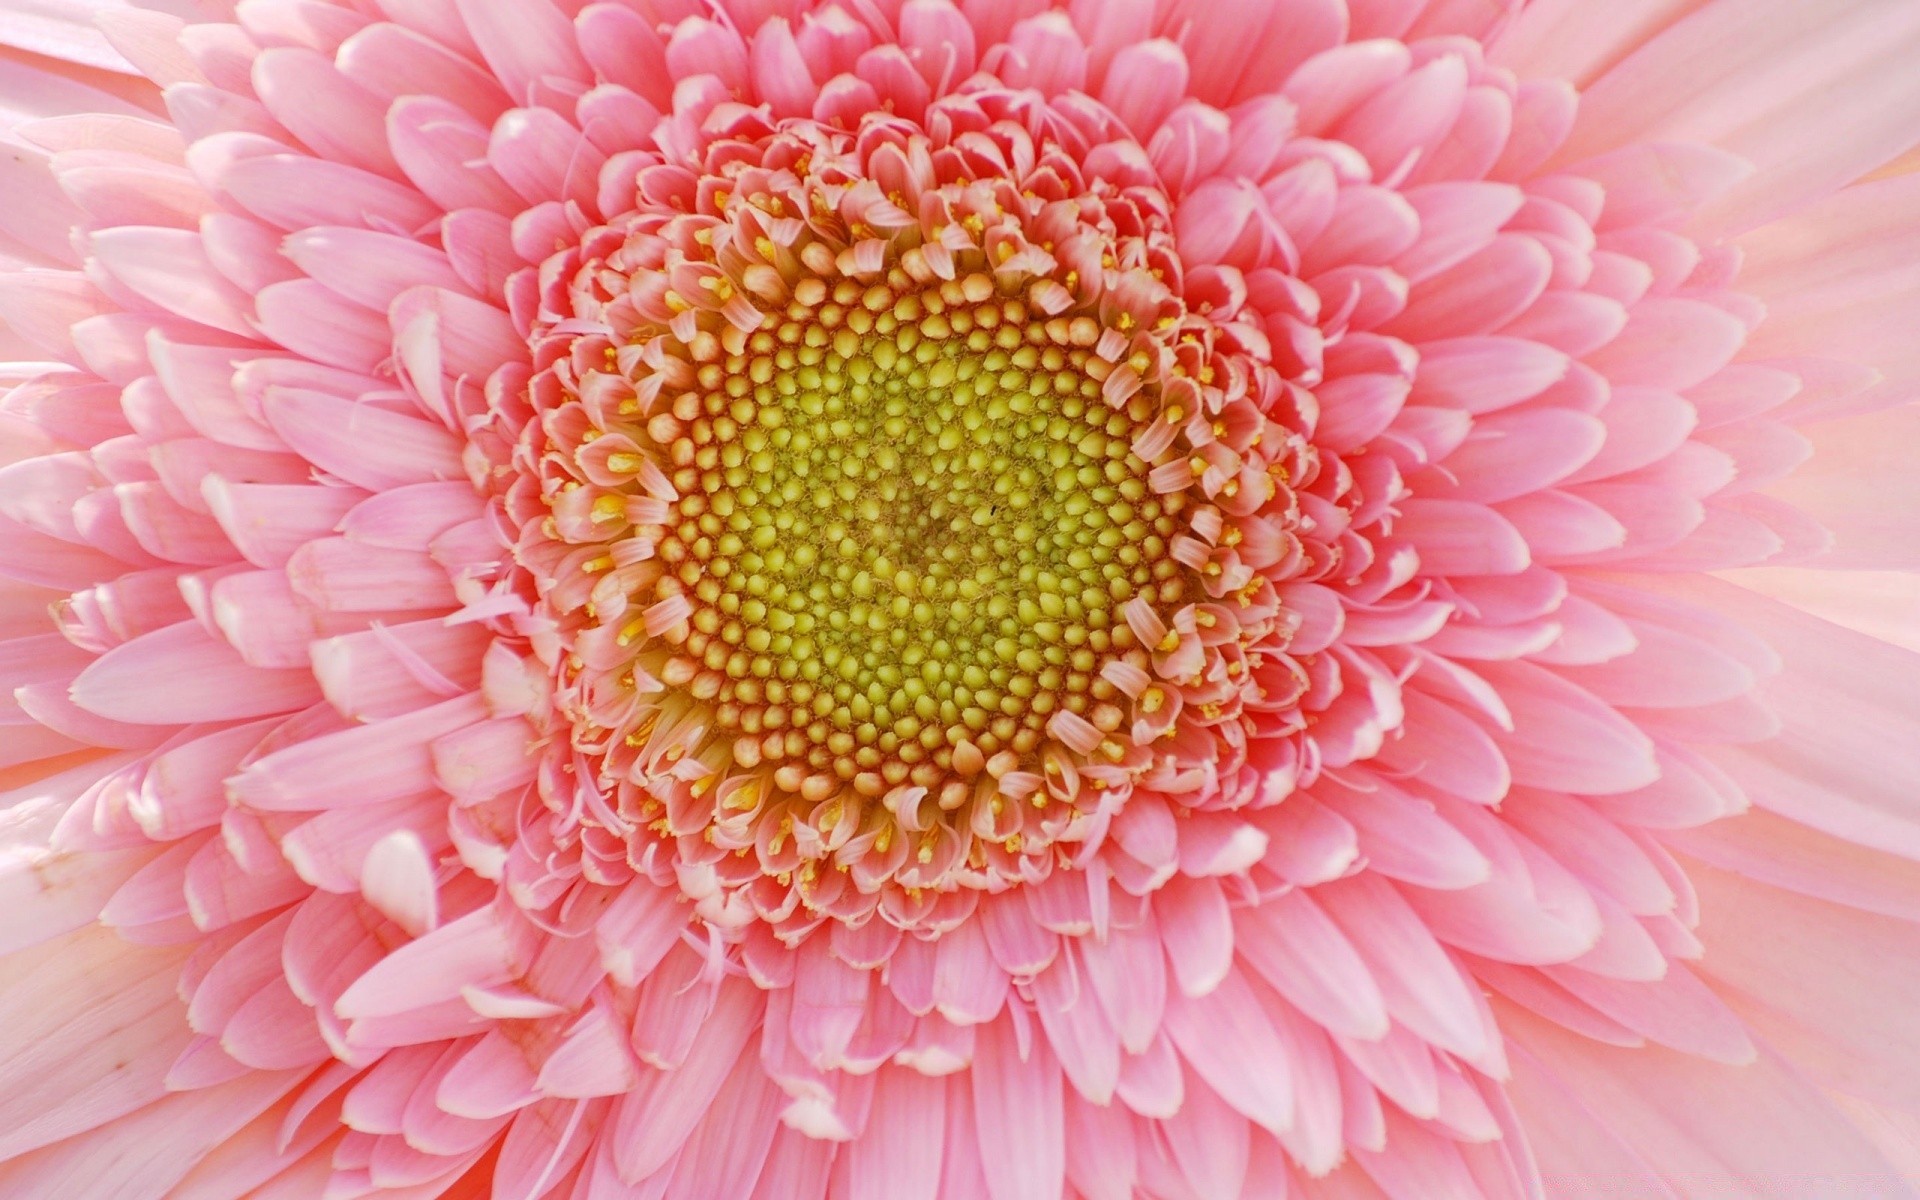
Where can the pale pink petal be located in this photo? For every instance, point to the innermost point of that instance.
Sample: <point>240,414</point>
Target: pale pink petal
<point>83,1056</point>
<point>1746,94</point>
<point>1687,1117</point>
<point>1017,1108</point>
<point>207,680</point>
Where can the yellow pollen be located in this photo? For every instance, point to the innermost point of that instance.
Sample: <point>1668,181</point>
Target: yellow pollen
<point>904,550</point>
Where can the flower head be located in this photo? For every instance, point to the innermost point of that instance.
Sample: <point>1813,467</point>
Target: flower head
<point>962,600</point>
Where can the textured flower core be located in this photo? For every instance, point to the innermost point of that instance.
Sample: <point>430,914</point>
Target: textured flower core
<point>907,551</point>
<point>901,535</point>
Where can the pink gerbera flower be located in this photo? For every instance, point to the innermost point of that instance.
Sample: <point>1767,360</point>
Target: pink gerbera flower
<point>959,600</point>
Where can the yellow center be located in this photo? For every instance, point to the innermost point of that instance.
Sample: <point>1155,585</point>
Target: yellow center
<point>904,537</point>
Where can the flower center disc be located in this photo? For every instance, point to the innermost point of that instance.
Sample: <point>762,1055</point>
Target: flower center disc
<point>897,518</point>
<point>905,533</point>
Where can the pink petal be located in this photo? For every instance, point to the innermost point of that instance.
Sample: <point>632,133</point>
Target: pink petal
<point>77,1056</point>
<point>297,192</point>
<point>1017,1106</point>
<point>1564,738</point>
<point>369,446</point>
<point>1448,751</point>
<point>1403,838</point>
<point>527,46</point>
<point>1479,294</point>
<point>655,1118</point>
<point>1408,117</point>
<point>1749,94</point>
<point>318,323</point>
<point>1670,344</point>
<point>1209,1142</point>
<point>1226,1039</point>
<point>391,61</point>
<point>1511,454</point>
<point>442,150</point>
<point>1237,54</point>
<point>1422,988</point>
<point>180,674</point>
<point>1455,537</point>
<point>1082,1037</point>
<point>1689,1119</point>
<point>364,764</point>
<point>1298,950</point>
<point>899,1156</point>
<point>340,120</point>
<point>475,950</point>
<point>968,985</point>
<point>730,1149</point>
<point>1197,930</point>
<point>367,267</point>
